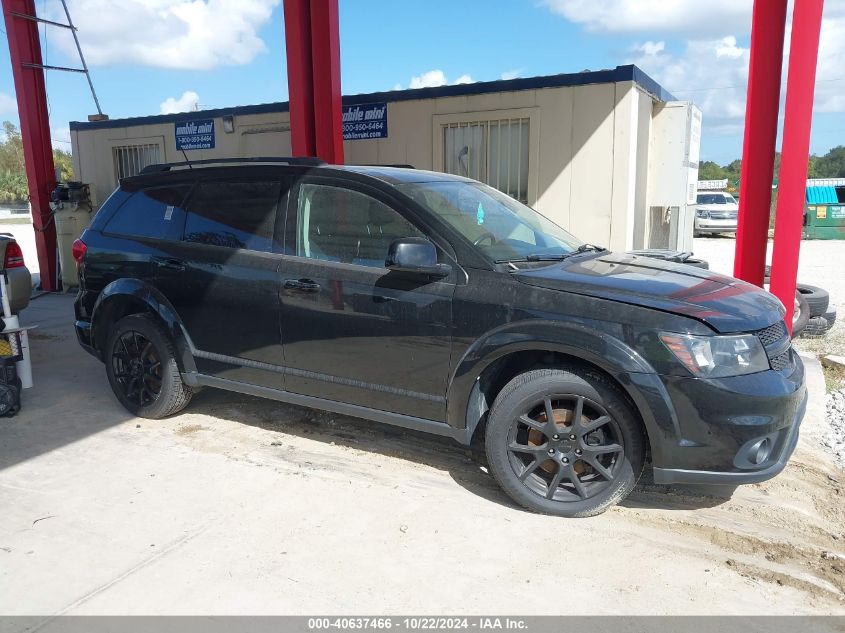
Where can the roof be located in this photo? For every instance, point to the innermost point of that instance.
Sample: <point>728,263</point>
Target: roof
<point>238,168</point>
<point>822,195</point>
<point>618,74</point>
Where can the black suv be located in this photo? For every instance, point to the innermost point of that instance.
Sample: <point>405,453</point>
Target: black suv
<point>440,304</point>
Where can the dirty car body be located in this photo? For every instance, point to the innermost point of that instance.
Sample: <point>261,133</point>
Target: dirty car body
<point>431,302</point>
<point>19,279</point>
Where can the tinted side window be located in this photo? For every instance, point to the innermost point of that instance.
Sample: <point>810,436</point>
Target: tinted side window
<point>343,225</point>
<point>156,213</point>
<point>233,214</point>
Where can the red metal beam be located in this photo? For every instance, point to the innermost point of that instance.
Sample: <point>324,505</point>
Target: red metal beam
<point>25,48</point>
<point>758,150</point>
<point>792,183</point>
<point>325,57</point>
<point>313,57</point>
<point>300,77</point>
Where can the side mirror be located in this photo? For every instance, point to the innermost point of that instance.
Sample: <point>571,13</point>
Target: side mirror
<point>415,255</point>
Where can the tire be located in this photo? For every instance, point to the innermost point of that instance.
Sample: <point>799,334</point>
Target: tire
<point>830,316</point>
<point>816,327</point>
<point>800,315</point>
<point>142,370</point>
<point>513,445</point>
<point>817,298</point>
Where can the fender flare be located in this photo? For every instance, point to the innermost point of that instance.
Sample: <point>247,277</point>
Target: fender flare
<point>139,291</point>
<point>466,404</point>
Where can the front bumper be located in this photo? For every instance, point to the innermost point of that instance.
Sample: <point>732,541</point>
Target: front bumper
<point>730,431</point>
<point>682,476</point>
<point>707,225</point>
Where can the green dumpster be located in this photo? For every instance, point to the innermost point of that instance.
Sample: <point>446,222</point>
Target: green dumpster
<point>824,213</point>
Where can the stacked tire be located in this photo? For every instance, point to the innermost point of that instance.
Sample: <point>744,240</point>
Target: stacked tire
<point>814,316</point>
<point>822,316</point>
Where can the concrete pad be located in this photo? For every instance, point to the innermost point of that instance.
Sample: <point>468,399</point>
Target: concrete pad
<point>247,506</point>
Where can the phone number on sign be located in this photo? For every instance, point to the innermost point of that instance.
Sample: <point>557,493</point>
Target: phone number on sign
<point>409,624</point>
<point>363,127</point>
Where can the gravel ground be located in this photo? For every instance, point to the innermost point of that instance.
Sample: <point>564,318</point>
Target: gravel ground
<point>835,438</point>
<point>820,265</point>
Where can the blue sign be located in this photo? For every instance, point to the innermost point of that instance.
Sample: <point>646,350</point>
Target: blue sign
<point>367,120</point>
<point>195,134</point>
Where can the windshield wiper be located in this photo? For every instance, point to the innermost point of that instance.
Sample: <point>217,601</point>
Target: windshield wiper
<point>540,257</point>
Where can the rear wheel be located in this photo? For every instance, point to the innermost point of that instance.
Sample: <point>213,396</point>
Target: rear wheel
<point>564,442</point>
<point>142,369</point>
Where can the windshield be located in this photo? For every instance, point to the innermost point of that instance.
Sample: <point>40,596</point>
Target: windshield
<point>499,226</point>
<point>715,198</point>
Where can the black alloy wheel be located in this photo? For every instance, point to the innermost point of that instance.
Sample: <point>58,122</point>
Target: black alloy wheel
<point>565,448</point>
<point>141,365</point>
<point>564,441</point>
<point>137,368</point>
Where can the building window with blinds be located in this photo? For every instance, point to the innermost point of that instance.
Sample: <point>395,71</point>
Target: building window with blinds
<point>129,160</point>
<point>494,152</point>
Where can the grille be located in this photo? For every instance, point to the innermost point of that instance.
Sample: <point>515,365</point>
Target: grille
<point>772,334</point>
<point>723,215</point>
<point>780,362</point>
<point>775,340</point>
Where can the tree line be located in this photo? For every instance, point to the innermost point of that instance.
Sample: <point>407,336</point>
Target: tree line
<point>13,186</point>
<point>831,165</point>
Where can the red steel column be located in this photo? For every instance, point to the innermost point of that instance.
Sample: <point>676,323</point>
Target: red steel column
<point>300,78</point>
<point>325,56</point>
<point>758,150</point>
<point>792,183</point>
<point>25,48</point>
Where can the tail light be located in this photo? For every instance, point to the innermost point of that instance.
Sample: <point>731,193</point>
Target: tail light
<point>79,249</point>
<point>14,256</point>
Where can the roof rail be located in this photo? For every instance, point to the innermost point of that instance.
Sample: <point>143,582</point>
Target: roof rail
<point>305,161</point>
<point>395,165</point>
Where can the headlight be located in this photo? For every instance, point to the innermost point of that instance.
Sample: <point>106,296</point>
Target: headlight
<point>718,356</point>
<point>702,213</point>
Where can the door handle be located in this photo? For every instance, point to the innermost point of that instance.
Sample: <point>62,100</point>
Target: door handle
<point>302,285</point>
<point>170,264</point>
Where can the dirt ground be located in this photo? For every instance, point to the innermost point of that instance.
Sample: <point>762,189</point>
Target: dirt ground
<point>247,506</point>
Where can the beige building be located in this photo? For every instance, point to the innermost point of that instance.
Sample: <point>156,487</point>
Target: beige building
<point>606,154</point>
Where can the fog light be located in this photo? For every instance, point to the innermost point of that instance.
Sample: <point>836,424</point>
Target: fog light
<point>759,451</point>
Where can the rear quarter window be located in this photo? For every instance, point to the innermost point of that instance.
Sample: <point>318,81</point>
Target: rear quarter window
<point>234,214</point>
<point>155,213</point>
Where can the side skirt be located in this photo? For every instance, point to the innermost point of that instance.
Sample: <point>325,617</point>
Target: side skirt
<point>354,410</point>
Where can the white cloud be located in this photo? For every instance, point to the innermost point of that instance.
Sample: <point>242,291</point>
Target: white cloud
<point>178,34</point>
<point>430,79</point>
<point>60,135</point>
<point>714,17</point>
<point>713,72</point>
<point>830,94</point>
<point>186,103</point>
<point>433,79</point>
<point>512,74</point>
<point>8,105</point>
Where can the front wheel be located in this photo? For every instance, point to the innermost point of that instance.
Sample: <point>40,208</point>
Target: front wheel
<point>564,442</point>
<point>142,370</point>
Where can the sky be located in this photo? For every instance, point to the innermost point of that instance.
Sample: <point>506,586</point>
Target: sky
<point>159,56</point>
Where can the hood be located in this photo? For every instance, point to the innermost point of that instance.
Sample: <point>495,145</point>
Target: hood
<point>724,303</point>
